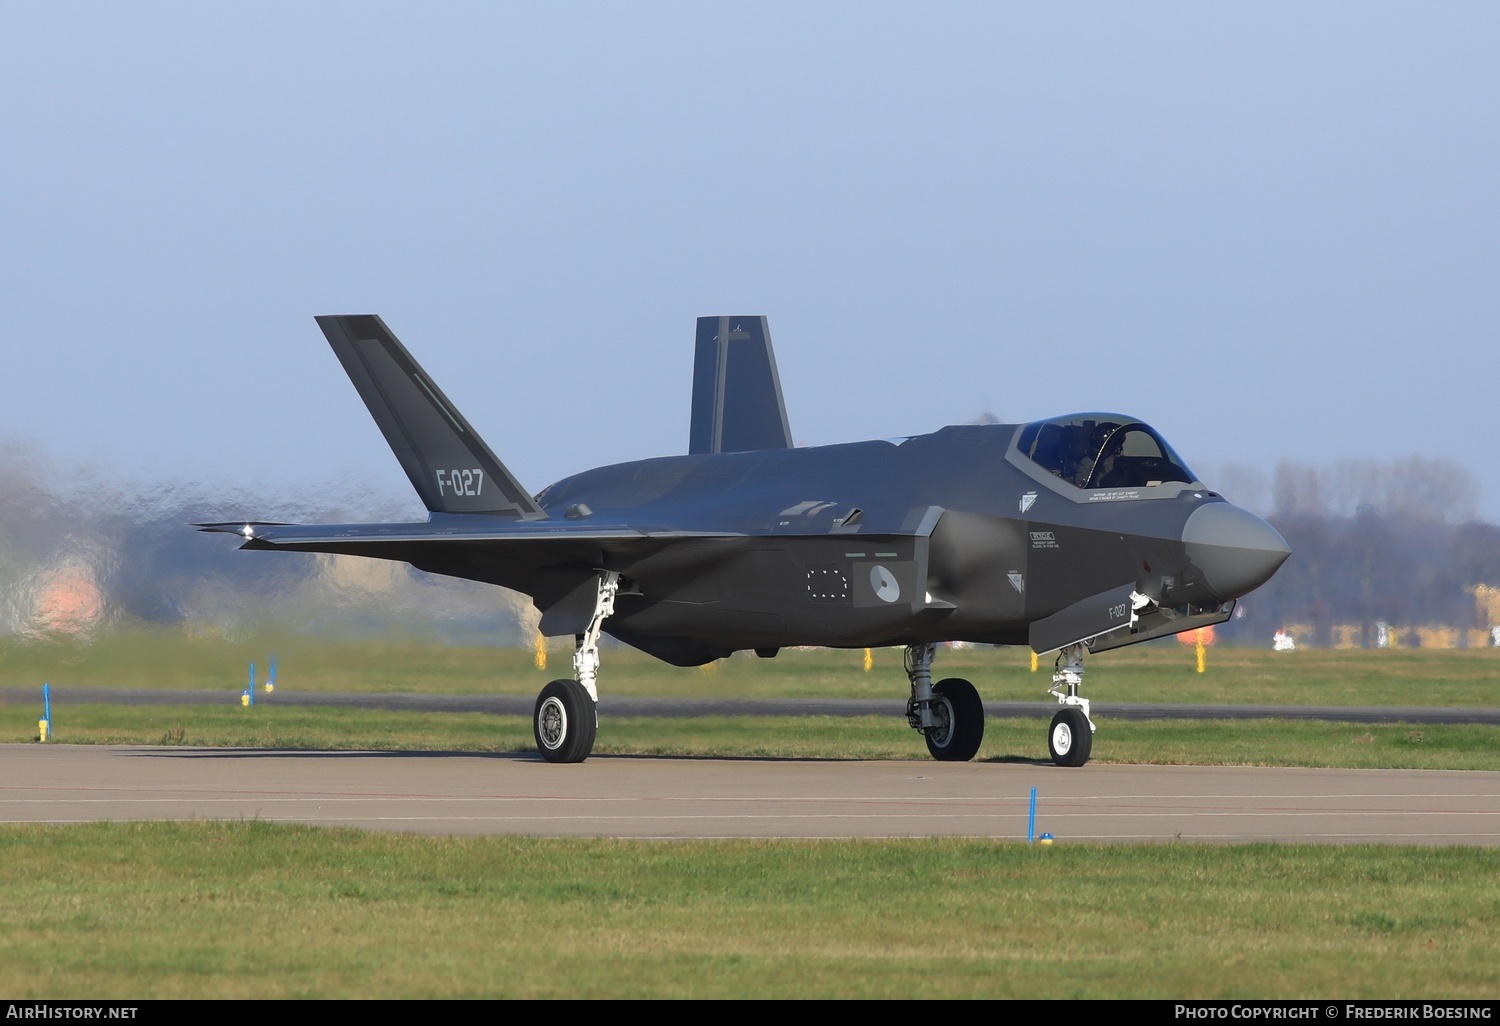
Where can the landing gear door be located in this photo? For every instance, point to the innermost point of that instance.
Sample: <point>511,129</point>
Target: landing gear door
<point>1085,620</point>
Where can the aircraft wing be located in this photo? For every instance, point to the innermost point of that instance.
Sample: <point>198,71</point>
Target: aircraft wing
<point>555,563</point>
<point>381,540</point>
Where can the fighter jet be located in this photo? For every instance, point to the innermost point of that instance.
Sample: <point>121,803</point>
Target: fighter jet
<point>1077,534</point>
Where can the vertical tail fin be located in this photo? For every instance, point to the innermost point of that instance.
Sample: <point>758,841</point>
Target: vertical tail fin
<point>449,465</point>
<point>737,404</point>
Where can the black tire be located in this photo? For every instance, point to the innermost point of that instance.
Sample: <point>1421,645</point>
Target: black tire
<point>564,722</point>
<point>1070,739</point>
<point>961,714</point>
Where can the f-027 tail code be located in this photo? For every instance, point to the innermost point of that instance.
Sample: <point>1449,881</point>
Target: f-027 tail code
<point>460,482</point>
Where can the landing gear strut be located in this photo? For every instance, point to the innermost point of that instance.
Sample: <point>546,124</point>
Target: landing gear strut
<point>1070,739</point>
<point>566,718</point>
<point>948,714</point>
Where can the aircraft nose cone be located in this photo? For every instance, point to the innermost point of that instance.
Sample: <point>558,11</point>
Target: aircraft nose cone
<point>1236,550</point>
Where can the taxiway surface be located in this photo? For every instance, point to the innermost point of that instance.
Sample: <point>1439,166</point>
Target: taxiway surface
<point>615,796</point>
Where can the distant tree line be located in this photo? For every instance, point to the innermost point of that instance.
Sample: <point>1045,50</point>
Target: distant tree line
<point>1371,542</point>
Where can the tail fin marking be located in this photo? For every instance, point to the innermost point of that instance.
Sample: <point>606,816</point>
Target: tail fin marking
<point>449,465</point>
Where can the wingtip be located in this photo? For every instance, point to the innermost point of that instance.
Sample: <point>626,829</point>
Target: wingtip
<point>237,526</point>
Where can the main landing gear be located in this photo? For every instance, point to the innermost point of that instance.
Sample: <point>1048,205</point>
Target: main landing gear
<point>1070,739</point>
<point>948,714</point>
<point>566,718</point>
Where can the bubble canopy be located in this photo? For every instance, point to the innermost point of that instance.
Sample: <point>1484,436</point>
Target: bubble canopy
<point>1102,450</point>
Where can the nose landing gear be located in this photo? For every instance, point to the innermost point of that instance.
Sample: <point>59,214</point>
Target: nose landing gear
<point>1070,739</point>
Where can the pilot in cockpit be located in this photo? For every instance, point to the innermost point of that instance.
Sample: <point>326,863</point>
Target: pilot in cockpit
<point>1107,472</point>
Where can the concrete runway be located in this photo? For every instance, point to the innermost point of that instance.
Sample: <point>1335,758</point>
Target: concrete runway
<point>613,796</point>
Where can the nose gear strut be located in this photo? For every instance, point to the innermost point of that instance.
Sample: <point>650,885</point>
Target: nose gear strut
<point>1070,739</point>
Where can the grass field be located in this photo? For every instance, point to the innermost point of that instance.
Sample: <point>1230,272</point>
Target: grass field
<point>1171,742</point>
<point>226,910</point>
<point>1159,672</point>
<point>253,910</point>
<point>1147,673</point>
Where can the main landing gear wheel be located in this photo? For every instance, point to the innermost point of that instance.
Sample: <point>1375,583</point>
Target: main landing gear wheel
<point>960,714</point>
<point>565,722</point>
<point>1070,739</point>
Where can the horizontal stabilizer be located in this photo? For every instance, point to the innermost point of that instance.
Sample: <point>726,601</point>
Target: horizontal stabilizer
<point>737,403</point>
<point>1100,614</point>
<point>449,465</point>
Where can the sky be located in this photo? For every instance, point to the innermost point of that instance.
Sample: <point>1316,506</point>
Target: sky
<point>1270,230</point>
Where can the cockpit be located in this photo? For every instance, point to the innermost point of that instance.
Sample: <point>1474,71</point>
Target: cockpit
<point>1102,450</point>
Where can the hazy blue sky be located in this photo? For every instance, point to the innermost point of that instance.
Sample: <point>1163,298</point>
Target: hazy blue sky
<point>1269,229</point>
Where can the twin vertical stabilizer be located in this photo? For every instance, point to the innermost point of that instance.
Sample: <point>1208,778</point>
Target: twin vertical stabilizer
<point>737,407</point>
<point>449,465</point>
<point>737,404</point>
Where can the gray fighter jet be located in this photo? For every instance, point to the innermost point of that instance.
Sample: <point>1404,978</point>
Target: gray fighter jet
<point>1076,534</point>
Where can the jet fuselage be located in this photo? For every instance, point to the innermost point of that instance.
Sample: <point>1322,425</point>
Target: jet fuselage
<point>1080,532</point>
<point>940,537</point>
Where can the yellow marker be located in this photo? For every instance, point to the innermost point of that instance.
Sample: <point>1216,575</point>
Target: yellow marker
<point>41,730</point>
<point>1202,649</point>
<point>1033,662</point>
<point>270,687</point>
<point>541,651</point>
<point>244,700</point>
<point>869,660</point>
<point>1045,839</point>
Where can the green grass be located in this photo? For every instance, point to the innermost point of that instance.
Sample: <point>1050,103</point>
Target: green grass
<point>227,910</point>
<point>1177,742</point>
<point>1145,673</point>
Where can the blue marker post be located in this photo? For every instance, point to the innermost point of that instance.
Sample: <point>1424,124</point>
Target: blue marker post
<point>1031,820</point>
<point>248,697</point>
<point>44,726</point>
